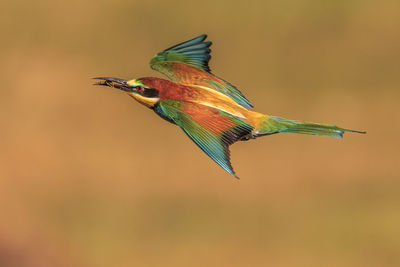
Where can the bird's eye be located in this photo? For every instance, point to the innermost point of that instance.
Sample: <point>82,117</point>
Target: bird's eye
<point>140,89</point>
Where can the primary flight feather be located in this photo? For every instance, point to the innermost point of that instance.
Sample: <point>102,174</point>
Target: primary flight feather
<point>213,113</point>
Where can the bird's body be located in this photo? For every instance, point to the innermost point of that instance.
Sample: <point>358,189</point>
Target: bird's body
<point>211,111</point>
<point>194,98</point>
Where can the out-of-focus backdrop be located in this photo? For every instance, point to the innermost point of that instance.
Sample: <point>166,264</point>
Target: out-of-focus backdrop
<point>88,177</point>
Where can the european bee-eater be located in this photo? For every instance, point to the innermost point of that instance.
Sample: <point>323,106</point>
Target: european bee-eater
<point>213,113</point>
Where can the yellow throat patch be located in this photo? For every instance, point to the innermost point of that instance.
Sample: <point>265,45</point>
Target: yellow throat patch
<point>147,101</point>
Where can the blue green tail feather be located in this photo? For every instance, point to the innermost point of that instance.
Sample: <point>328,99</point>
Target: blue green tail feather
<point>281,125</point>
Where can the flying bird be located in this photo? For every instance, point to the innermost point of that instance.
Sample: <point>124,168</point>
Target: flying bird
<point>213,113</point>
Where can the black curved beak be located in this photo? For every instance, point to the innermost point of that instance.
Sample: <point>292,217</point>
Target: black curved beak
<point>114,82</point>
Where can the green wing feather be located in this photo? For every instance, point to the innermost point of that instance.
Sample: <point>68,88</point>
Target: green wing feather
<point>212,135</point>
<point>194,55</point>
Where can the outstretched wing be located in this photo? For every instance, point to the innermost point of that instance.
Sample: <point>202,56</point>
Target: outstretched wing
<point>195,53</point>
<point>187,63</point>
<point>211,129</point>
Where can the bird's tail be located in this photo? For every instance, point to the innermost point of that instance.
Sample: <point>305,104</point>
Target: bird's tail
<point>271,124</point>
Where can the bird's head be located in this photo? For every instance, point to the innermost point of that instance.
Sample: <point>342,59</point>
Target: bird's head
<point>135,88</point>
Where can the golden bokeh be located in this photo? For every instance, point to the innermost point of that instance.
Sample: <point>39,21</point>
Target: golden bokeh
<point>89,177</point>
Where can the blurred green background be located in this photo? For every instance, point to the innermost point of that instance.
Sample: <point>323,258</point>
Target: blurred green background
<point>88,177</point>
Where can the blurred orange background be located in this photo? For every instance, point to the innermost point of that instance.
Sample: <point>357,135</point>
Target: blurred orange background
<point>88,177</point>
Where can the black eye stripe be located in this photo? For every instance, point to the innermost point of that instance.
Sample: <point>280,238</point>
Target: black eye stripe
<point>150,92</point>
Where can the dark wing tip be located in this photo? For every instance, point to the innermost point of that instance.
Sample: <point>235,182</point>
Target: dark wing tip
<point>199,38</point>
<point>196,40</point>
<point>203,37</point>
